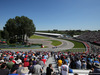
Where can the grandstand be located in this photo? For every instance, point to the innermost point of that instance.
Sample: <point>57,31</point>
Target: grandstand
<point>93,38</point>
<point>49,34</point>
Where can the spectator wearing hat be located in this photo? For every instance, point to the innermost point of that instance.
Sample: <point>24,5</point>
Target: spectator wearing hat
<point>11,57</point>
<point>96,68</point>
<point>3,70</point>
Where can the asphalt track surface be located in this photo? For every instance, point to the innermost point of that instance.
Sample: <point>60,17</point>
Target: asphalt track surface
<point>65,45</point>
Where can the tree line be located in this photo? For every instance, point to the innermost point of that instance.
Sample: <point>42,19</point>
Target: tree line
<point>17,28</point>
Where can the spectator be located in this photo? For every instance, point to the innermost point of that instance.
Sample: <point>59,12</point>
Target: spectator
<point>19,68</point>
<point>18,60</point>
<point>41,63</point>
<point>59,64</point>
<point>64,68</point>
<point>34,61</point>
<point>89,64</point>
<point>72,64</point>
<point>37,68</point>
<point>26,61</point>
<point>66,59</point>
<point>44,60</point>
<point>24,71</point>
<point>31,68</point>
<point>96,68</point>
<point>75,74</point>
<point>96,60</point>
<point>3,70</point>
<point>84,64</point>
<point>11,57</point>
<point>78,63</point>
<point>0,64</point>
<point>49,70</point>
<point>13,71</point>
<point>10,63</point>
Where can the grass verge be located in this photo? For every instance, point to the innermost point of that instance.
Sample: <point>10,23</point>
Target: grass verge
<point>77,44</point>
<point>55,42</point>
<point>74,50</point>
<point>38,37</point>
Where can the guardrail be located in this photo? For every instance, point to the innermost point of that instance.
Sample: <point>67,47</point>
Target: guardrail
<point>19,46</point>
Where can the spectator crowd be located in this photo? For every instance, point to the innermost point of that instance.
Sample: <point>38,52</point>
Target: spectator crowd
<point>33,63</point>
<point>93,38</point>
<point>90,36</point>
<point>22,63</point>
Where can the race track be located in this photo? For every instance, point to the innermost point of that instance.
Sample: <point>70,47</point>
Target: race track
<point>65,45</point>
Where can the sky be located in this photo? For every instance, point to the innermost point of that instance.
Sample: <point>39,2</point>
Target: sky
<point>54,14</point>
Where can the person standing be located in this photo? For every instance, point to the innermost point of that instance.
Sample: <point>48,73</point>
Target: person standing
<point>10,64</point>
<point>78,63</point>
<point>37,69</point>
<point>19,68</point>
<point>26,61</point>
<point>59,62</point>
<point>84,64</point>
<point>64,68</point>
<point>49,69</point>
<point>44,60</point>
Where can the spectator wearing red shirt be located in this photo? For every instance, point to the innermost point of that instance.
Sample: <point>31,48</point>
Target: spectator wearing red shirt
<point>11,57</point>
<point>26,61</point>
<point>44,60</point>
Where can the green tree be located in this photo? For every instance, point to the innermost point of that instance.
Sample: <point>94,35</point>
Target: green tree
<point>5,34</point>
<point>18,27</point>
<point>0,34</point>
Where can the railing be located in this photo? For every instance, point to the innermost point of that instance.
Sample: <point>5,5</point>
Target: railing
<point>85,73</point>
